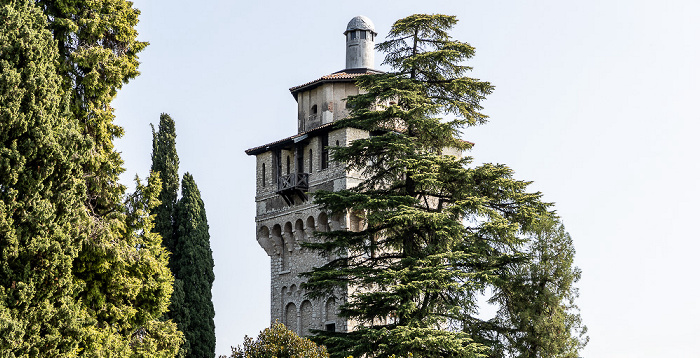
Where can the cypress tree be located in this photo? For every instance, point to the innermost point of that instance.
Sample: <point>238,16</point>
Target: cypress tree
<point>193,266</point>
<point>439,231</point>
<point>538,316</point>
<point>121,266</point>
<point>41,193</point>
<point>164,160</point>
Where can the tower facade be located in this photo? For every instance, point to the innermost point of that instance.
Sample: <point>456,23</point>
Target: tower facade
<point>289,170</point>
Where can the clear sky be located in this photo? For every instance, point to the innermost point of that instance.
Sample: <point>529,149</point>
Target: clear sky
<point>596,102</point>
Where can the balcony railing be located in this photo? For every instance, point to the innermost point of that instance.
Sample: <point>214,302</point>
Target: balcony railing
<point>293,181</point>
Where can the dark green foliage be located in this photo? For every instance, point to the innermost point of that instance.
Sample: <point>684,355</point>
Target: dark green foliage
<point>41,193</point>
<point>279,342</point>
<point>82,273</point>
<point>98,55</point>
<point>538,316</point>
<point>183,226</point>
<point>164,160</point>
<point>439,232</point>
<point>193,267</point>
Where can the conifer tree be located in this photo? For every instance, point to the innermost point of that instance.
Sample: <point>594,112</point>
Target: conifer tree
<point>193,266</point>
<point>538,316</point>
<point>120,265</point>
<point>164,160</point>
<point>41,193</point>
<point>438,230</point>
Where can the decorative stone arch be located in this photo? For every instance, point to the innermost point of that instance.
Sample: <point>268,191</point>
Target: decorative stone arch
<point>276,238</point>
<point>357,221</point>
<point>283,299</point>
<point>281,247</point>
<point>299,232</point>
<point>291,317</point>
<point>305,318</point>
<point>265,241</point>
<point>337,221</point>
<point>288,236</point>
<point>322,224</point>
<point>310,227</point>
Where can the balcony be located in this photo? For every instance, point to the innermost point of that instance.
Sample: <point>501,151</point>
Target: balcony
<point>293,184</point>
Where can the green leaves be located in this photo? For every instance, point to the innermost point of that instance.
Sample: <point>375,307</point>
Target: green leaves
<point>278,341</point>
<point>41,193</point>
<point>81,270</point>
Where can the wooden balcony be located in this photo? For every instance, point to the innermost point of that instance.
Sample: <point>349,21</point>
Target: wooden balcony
<point>293,184</point>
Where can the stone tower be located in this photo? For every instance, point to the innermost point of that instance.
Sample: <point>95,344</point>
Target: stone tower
<point>290,169</point>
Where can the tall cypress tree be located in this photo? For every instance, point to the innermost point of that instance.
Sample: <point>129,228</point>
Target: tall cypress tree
<point>538,316</point>
<point>41,193</point>
<point>120,266</point>
<point>438,230</point>
<point>193,266</point>
<point>164,160</point>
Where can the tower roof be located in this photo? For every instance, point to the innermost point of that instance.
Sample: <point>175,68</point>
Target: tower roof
<point>360,23</point>
<point>347,75</point>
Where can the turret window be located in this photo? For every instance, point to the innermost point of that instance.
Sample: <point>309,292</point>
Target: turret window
<point>363,35</point>
<point>353,35</point>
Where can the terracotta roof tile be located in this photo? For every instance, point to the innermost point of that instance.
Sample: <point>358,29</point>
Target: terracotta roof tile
<point>346,74</point>
<point>264,147</point>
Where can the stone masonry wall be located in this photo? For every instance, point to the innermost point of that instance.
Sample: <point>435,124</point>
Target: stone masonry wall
<point>281,228</point>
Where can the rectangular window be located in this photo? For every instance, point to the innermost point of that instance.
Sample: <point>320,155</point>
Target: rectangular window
<point>353,35</point>
<point>324,151</point>
<point>363,35</point>
<point>330,327</point>
<point>311,161</point>
<point>300,159</point>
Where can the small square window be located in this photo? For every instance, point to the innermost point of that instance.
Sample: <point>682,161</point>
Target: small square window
<point>330,327</point>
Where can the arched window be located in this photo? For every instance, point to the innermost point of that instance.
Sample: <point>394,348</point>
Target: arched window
<point>314,109</point>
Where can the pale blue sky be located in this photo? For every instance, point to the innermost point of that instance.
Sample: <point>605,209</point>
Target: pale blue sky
<point>595,101</point>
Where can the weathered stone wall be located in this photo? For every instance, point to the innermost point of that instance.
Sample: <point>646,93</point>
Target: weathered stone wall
<point>281,228</point>
<point>329,99</point>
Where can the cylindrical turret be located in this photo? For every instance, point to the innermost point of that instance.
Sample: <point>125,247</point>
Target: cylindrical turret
<point>359,42</point>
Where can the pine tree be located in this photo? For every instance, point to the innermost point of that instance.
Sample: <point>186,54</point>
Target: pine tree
<point>438,230</point>
<point>164,160</point>
<point>193,266</point>
<point>41,193</point>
